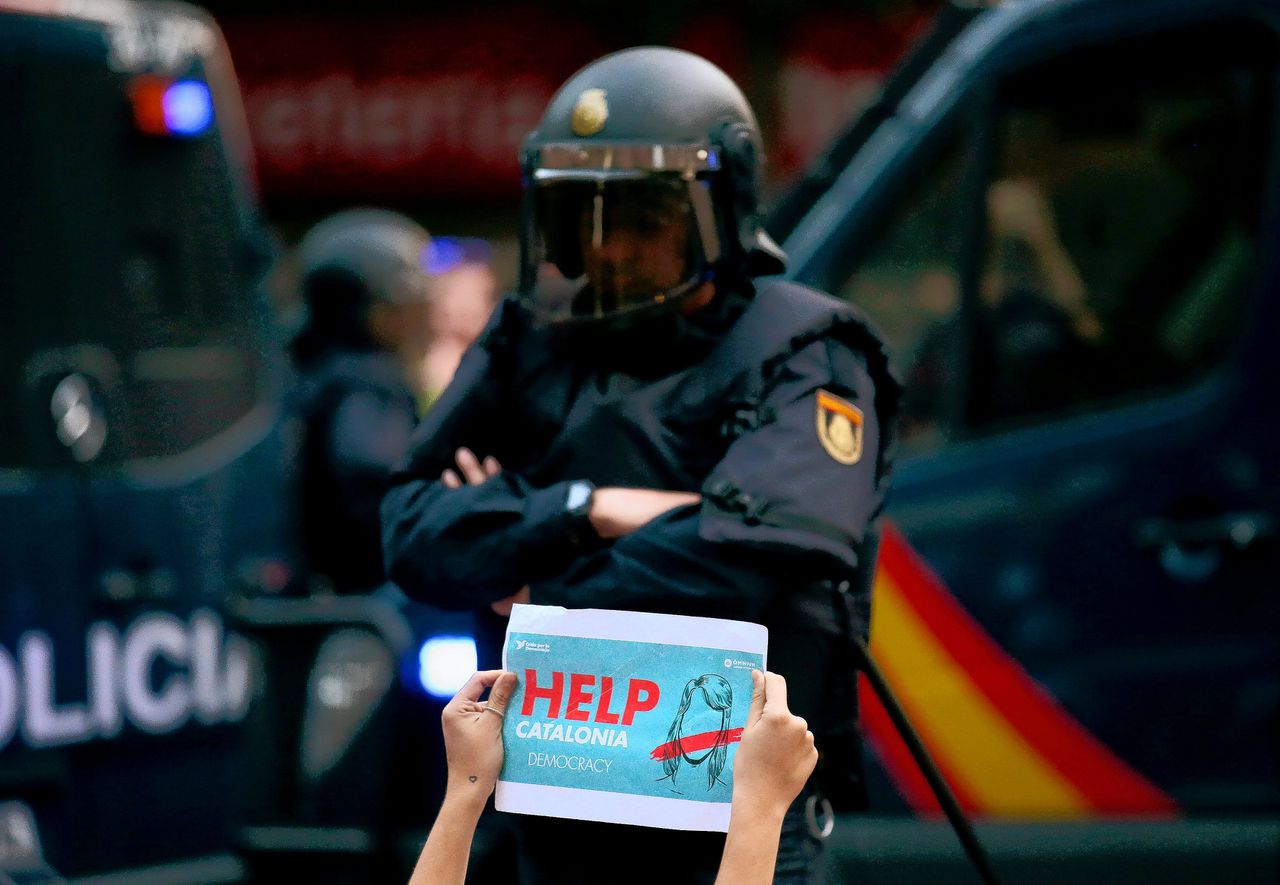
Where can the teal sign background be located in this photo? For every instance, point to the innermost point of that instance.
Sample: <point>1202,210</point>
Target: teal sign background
<point>630,769</point>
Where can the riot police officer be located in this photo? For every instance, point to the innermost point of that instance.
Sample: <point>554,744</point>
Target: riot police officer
<point>358,353</point>
<point>651,425</point>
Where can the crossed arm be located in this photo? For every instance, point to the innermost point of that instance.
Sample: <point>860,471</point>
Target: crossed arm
<point>615,512</point>
<point>772,763</point>
<point>461,531</point>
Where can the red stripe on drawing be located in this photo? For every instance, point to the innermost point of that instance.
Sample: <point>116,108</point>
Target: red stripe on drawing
<point>693,743</point>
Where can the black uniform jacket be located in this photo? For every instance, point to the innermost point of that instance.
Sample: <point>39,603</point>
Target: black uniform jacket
<point>355,416</point>
<point>774,409</point>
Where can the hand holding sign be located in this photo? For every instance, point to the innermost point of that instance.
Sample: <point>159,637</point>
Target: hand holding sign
<point>626,717</point>
<point>473,734</point>
<point>775,759</point>
<point>776,755</point>
<point>773,763</point>
<point>473,745</point>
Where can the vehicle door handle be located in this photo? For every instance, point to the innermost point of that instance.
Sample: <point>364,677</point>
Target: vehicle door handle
<point>137,582</point>
<point>1192,550</point>
<point>1240,530</point>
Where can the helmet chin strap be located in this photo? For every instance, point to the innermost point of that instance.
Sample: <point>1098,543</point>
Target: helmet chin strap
<point>688,296</point>
<point>642,341</point>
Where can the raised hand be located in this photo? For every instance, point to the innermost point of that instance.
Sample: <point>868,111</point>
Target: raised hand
<point>473,734</point>
<point>773,762</point>
<point>776,755</point>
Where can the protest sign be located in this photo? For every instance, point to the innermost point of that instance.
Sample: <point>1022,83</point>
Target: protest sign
<point>626,717</point>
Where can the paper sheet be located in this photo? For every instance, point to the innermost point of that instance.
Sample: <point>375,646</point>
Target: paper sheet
<point>626,717</point>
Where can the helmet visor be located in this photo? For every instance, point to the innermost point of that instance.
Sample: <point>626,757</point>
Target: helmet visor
<point>606,246</point>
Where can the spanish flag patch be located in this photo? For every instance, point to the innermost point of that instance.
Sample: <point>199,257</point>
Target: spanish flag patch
<point>839,428</point>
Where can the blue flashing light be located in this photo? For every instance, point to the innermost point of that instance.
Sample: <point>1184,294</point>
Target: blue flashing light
<point>442,255</point>
<point>713,160</point>
<point>188,107</point>
<point>445,663</point>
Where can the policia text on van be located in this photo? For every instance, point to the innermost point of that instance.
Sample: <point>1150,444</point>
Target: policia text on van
<point>140,467</point>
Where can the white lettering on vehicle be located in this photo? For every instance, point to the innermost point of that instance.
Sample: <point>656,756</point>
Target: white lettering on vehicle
<point>160,675</point>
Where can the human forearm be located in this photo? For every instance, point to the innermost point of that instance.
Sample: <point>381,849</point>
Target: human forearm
<point>751,848</point>
<point>444,858</point>
<point>666,566</point>
<point>773,762</point>
<point>473,749</point>
<point>618,512</point>
<point>469,546</point>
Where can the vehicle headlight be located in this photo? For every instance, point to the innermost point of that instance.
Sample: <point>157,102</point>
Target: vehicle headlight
<point>445,663</point>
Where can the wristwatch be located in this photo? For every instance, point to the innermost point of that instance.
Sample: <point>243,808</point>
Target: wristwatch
<point>577,506</point>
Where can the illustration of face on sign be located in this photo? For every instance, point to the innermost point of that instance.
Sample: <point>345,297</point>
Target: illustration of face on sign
<point>699,735</point>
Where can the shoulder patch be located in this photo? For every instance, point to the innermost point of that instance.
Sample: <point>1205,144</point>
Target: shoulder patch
<point>839,425</point>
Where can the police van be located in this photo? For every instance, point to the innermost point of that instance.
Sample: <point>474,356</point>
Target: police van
<point>140,461</point>
<point>1062,214</point>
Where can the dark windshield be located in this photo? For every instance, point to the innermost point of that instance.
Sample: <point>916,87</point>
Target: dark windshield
<point>126,265</point>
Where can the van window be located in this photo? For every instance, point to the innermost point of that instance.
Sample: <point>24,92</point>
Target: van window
<point>1123,186</point>
<point>128,327</point>
<point>909,284</point>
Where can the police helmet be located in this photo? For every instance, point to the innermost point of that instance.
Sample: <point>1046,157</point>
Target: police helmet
<point>346,264</point>
<point>382,251</point>
<point>653,144</point>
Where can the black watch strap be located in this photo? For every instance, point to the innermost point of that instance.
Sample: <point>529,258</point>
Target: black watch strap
<point>577,506</point>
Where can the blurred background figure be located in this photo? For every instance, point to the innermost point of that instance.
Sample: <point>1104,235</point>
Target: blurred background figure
<point>389,312</point>
<point>464,292</point>
<point>1036,323</point>
<point>353,687</point>
<point>359,358</point>
<point>1033,329</point>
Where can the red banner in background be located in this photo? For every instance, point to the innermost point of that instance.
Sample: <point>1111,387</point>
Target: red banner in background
<point>400,108</point>
<point>832,70</point>
<point>395,108</point>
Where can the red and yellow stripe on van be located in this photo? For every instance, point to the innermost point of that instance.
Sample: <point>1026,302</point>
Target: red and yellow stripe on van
<point>1007,748</point>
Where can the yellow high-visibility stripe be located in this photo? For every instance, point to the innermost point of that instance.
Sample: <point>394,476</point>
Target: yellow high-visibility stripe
<point>972,742</point>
